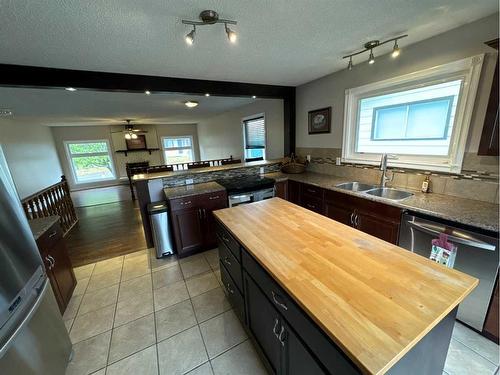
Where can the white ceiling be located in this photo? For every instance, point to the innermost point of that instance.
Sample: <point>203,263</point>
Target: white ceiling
<point>286,42</point>
<point>58,107</point>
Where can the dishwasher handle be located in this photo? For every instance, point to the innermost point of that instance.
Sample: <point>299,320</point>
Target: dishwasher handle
<point>471,241</point>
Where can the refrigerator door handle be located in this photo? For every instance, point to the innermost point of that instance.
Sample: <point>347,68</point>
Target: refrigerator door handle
<point>25,321</point>
<point>473,242</point>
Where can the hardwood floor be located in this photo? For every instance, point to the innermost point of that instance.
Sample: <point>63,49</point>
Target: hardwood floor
<point>105,231</point>
<point>92,197</point>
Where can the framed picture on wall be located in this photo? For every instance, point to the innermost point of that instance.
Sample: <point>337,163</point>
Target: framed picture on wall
<point>320,120</point>
<point>137,144</point>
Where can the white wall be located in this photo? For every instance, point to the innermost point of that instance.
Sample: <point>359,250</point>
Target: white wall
<point>222,135</point>
<point>31,156</point>
<point>453,45</point>
<point>116,139</point>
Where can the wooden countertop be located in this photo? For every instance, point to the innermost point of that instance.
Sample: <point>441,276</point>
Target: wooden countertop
<point>375,300</point>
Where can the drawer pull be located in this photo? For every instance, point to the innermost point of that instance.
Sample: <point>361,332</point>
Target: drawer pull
<point>352,218</point>
<point>224,238</point>
<point>310,205</point>
<point>276,322</point>
<point>53,261</point>
<point>229,289</point>
<point>52,234</point>
<point>227,261</point>
<point>212,198</point>
<point>356,221</point>
<point>311,191</point>
<point>280,304</point>
<point>184,203</point>
<point>282,336</point>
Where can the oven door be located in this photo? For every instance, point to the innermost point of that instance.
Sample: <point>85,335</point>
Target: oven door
<point>243,198</point>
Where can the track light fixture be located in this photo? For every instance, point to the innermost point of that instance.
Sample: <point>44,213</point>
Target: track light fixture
<point>371,45</point>
<point>210,17</point>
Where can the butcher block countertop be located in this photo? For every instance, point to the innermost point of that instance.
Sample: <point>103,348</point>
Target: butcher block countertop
<point>373,299</point>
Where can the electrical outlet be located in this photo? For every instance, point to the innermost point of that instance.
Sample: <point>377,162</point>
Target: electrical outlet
<point>261,170</point>
<point>189,181</point>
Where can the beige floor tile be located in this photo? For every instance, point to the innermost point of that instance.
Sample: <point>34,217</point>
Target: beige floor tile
<point>81,286</point>
<point>201,283</point>
<point>92,324</point>
<point>144,362</point>
<point>165,262</point>
<point>100,372</point>
<point>131,288</point>
<point>135,270</point>
<point>221,333</point>
<point>192,267</point>
<point>204,369</point>
<point>134,308</point>
<point>104,280</point>
<point>192,258</point>
<point>170,295</point>
<point>72,308</point>
<point>210,304</point>
<point>464,361</point>
<point>108,265</point>
<point>212,257</point>
<point>182,352</point>
<point>97,300</point>
<point>486,348</point>
<point>83,271</point>
<point>174,319</point>
<point>218,276</point>
<point>89,355</point>
<point>241,360</point>
<point>166,276</point>
<point>137,253</point>
<point>68,323</point>
<point>132,337</point>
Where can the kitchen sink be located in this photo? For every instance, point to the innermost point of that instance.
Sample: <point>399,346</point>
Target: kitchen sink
<point>388,193</point>
<point>355,186</point>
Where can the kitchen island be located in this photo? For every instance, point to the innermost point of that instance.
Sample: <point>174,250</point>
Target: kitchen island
<point>321,297</point>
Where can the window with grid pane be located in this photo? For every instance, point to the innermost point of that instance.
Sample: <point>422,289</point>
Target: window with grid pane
<point>90,161</point>
<point>178,149</point>
<point>255,137</point>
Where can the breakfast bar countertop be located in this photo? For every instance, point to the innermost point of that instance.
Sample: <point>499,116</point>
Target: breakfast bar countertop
<point>374,300</point>
<point>193,189</point>
<point>471,212</point>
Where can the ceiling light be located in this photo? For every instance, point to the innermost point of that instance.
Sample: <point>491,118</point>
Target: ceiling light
<point>190,36</point>
<point>371,60</point>
<point>72,89</point>
<point>371,45</point>
<point>133,136</point>
<point>254,97</point>
<point>147,92</point>
<point>231,35</point>
<point>128,136</point>
<point>191,104</point>
<point>207,94</point>
<point>395,51</point>
<point>210,17</point>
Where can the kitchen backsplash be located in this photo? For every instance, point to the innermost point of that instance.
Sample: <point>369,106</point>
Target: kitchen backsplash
<point>215,175</point>
<point>478,180</point>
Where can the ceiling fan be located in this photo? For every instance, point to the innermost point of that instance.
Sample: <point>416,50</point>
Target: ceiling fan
<point>130,131</point>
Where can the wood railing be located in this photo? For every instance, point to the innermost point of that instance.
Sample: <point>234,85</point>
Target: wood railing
<point>53,200</point>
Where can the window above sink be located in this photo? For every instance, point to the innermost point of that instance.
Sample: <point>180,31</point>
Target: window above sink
<point>422,118</point>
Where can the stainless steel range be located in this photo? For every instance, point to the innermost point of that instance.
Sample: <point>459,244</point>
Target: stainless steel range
<point>248,189</point>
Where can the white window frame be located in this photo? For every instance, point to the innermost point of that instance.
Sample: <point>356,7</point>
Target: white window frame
<point>163,148</point>
<point>468,70</point>
<point>257,115</point>
<point>69,156</point>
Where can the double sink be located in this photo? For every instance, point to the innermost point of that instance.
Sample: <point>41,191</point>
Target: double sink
<point>375,190</point>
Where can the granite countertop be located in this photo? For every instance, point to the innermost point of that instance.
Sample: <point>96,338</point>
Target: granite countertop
<point>475,213</point>
<point>153,176</point>
<point>194,189</point>
<point>41,225</point>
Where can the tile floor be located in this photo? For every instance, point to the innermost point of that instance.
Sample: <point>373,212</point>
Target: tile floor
<point>136,314</point>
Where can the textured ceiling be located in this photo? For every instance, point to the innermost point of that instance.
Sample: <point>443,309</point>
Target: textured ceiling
<point>285,42</point>
<point>63,108</point>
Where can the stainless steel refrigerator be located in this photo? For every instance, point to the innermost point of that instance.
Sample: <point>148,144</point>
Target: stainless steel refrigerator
<point>33,338</point>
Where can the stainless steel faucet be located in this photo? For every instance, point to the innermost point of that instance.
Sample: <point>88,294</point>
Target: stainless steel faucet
<point>383,168</point>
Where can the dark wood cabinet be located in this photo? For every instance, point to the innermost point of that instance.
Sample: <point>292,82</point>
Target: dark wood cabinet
<point>488,144</point>
<point>299,360</point>
<point>491,326</point>
<point>57,264</point>
<point>193,223</point>
<point>294,191</point>
<point>281,189</point>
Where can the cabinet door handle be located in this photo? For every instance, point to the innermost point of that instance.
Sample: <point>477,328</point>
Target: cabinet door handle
<point>352,218</point>
<point>52,234</point>
<point>49,261</point>
<point>310,205</point>
<point>52,260</point>
<point>227,261</point>
<point>280,304</point>
<point>184,203</point>
<point>224,238</point>
<point>215,197</point>
<point>229,289</point>
<point>205,213</point>
<point>356,221</point>
<point>276,322</point>
<point>282,336</point>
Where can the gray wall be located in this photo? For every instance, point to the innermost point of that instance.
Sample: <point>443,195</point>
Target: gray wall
<point>222,135</point>
<point>453,45</point>
<point>31,156</point>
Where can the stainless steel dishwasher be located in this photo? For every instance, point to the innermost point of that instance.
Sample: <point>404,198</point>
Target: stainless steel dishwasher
<point>477,255</point>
